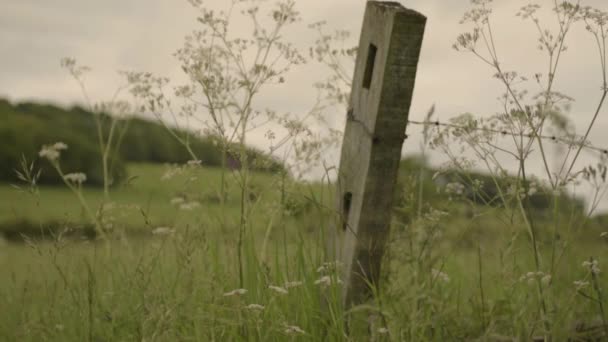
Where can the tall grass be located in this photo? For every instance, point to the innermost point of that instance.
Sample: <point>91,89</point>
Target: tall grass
<point>464,263</point>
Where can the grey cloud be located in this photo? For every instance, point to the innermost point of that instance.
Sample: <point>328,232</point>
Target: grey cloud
<point>142,34</point>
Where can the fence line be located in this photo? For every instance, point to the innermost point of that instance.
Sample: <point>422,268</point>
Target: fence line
<point>567,140</point>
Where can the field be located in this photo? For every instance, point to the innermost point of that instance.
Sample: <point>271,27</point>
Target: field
<point>474,280</point>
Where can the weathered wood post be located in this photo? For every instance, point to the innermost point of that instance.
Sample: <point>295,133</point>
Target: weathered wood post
<point>380,99</point>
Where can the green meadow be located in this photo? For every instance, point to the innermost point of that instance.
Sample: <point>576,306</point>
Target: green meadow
<point>446,277</point>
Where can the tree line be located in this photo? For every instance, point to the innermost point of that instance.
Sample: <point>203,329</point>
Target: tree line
<point>25,127</point>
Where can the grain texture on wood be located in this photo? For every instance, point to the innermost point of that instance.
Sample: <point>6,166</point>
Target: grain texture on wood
<point>381,94</point>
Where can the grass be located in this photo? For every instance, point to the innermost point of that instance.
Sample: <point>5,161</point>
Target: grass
<point>176,286</point>
<point>146,190</point>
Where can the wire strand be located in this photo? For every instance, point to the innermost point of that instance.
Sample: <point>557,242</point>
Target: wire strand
<point>570,141</point>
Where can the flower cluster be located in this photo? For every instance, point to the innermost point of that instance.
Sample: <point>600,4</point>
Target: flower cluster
<point>278,289</point>
<point>76,178</point>
<point>592,265</point>
<point>532,277</point>
<point>293,329</point>
<point>440,276</point>
<point>580,284</point>
<point>236,292</point>
<point>160,231</point>
<point>327,281</point>
<point>52,152</point>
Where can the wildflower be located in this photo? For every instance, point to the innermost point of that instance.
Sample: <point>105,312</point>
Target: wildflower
<point>592,265</point>
<point>291,284</point>
<point>546,280</point>
<point>170,173</point>
<point>532,189</point>
<point>581,284</point>
<point>604,235</point>
<point>163,231</point>
<point>237,292</point>
<point>329,266</point>
<point>59,146</point>
<point>49,152</point>
<point>195,162</point>
<point>77,178</point>
<point>255,307</point>
<point>189,206</point>
<point>278,289</point>
<point>177,200</point>
<point>382,331</point>
<point>454,188</point>
<point>292,329</point>
<point>532,277</point>
<point>441,276</point>
<point>326,281</point>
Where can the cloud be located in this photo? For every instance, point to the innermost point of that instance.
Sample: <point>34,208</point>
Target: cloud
<point>142,34</point>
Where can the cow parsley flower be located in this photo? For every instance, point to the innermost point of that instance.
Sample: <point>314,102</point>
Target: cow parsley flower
<point>59,146</point>
<point>329,266</point>
<point>49,152</point>
<point>441,276</point>
<point>237,292</point>
<point>580,284</point>
<point>77,178</point>
<point>278,289</point>
<point>177,200</point>
<point>291,284</point>
<point>327,281</point>
<point>592,265</point>
<point>382,331</point>
<point>293,329</point>
<point>163,231</point>
<point>189,205</point>
<point>255,307</point>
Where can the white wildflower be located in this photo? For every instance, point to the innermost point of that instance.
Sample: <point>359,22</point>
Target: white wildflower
<point>454,188</point>
<point>163,231</point>
<point>592,265</point>
<point>329,266</point>
<point>59,146</point>
<point>383,331</point>
<point>326,281</point>
<point>278,289</point>
<point>292,329</point>
<point>77,178</point>
<point>604,235</point>
<point>177,200</point>
<point>255,307</point>
<point>189,206</point>
<point>195,162</point>
<point>170,173</point>
<point>52,152</point>
<point>533,277</point>
<point>49,153</point>
<point>546,280</point>
<point>237,292</point>
<point>580,284</point>
<point>441,276</point>
<point>291,284</point>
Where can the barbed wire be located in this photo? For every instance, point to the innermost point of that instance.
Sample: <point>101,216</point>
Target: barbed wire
<point>567,140</point>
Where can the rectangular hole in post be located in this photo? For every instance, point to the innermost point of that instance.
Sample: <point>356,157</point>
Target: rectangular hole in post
<point>346,202</point>
<point>369,66</point>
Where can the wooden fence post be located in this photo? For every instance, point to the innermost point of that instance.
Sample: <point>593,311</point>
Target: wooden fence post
<point>380,99</point>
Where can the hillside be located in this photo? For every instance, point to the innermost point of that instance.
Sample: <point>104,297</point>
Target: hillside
<point>25,127</point>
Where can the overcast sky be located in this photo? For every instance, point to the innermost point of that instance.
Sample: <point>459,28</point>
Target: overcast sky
<point>141,35</point>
